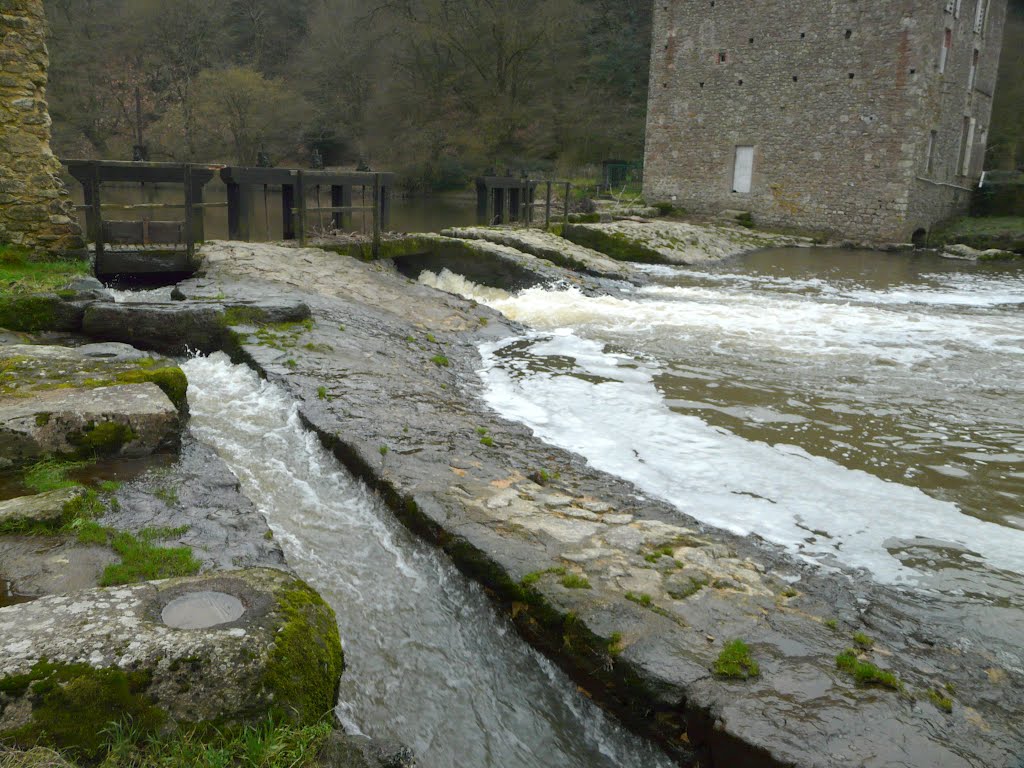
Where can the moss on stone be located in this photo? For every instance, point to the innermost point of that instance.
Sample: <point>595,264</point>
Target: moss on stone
<point>103,439</point>
<point>73,706</point>
<point>614,244</point>
<point>171,379</point>
<point>29,313</point>
<point>307,661</point>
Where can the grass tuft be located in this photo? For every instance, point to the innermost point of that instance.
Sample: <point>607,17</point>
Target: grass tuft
<point>866,673</point>
<point>735,662</point>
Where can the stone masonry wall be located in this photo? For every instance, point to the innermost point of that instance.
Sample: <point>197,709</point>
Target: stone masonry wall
<point>838,99</point>
<point>35,210</point>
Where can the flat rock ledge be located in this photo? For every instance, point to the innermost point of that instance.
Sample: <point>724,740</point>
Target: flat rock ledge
<point>44,509</point>
<point>181,327</point>
<point>129,420</point>
<point>636,600</point>
<point>230,647</point>
<point>674,242</point>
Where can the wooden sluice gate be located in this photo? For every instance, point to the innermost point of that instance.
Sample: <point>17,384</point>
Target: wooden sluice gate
<point>512,200</point>
<point>295,185</point>
<point>147,246</point>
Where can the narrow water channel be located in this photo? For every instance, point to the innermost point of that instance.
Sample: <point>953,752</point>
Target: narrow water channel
<point>863,410</point>
<point>429,661</point>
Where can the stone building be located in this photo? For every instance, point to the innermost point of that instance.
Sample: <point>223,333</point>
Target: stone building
<point>35,210</point>
<point>862,119</point>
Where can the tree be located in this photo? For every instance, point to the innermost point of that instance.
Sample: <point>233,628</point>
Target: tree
<point>240,113</point>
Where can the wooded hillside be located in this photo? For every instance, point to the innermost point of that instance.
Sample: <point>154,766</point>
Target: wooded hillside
<point>436,89</point>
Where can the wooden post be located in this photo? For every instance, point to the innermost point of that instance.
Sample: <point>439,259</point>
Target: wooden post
<point>547,209</point>
<point>376,215</point>
<point>94,216</point>
<point>287,211</point>
<point>385,207</point>
<point>568,189</point>
<point>190,213</point>
<point>240,211</point>
<point>341,197</point>
<point>506,205</point>
<point>491,206</point>
<point>300,208</point>
<point>195,194</point>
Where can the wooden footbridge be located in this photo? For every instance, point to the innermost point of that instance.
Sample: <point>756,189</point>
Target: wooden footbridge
<point>143,245</point>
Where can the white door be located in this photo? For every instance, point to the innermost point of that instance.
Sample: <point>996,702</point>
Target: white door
<point>744,172</point>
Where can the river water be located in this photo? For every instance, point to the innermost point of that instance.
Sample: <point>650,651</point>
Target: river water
<point>862,410</point>
<point>429,662</point>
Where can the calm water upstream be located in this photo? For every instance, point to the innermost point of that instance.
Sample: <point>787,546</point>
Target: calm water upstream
<point>429,661</point>
<point>422,214</point>
<point>862,410</point>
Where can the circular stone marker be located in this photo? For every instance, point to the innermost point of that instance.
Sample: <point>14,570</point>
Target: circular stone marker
<point>202,610</point>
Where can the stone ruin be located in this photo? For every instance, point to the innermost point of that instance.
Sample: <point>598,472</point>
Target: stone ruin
<point>35,209</point>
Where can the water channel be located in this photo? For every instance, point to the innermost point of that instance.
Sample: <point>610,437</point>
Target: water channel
<point>863,410</point>
<point>429,661</point>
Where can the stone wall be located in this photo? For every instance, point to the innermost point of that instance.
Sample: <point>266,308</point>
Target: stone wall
<point>35,210</point>
<point>838,98</point>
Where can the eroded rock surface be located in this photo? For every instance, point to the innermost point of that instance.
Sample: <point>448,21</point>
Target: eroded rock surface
<point>43,509</point>
<point>674,242</point>
<point>68,664</point>
<point>636,599</point>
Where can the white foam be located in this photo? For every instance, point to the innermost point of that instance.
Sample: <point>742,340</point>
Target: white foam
<point>812,506</point>
<point>754,323</point>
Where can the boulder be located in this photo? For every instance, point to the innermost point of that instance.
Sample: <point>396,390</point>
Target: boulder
<point>44,509</point>
<point>223,649</point>
<point>126,421</point>
<point>179,327</point>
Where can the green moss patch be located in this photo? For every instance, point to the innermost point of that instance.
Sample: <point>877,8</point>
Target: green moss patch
<point>143,560</point>
<point>171,379</point>
<point>735,662</point>
<point>306,662</point>
<point>73,706</point>
<point>575,581</point>
<point>865,673</point>
<point>614,244</point>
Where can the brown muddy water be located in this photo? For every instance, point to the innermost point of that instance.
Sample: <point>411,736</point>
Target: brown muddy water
<point>864,411</point>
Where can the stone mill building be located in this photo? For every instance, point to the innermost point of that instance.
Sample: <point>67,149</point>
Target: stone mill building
<point>860,118</point>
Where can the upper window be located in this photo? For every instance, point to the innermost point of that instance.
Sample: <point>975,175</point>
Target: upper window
<point>947,44</point>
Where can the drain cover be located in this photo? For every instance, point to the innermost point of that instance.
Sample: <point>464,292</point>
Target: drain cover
<point>201,610</point>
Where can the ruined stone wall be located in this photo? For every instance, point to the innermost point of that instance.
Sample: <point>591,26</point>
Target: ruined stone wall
<point>35,210</point>
<point>838,98</point>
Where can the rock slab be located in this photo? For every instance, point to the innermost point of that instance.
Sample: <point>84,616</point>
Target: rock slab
<point>115,659</point>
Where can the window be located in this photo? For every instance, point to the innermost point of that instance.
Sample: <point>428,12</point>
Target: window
<point>743,172</point>
<point>979,17</point>
<point>722,57</point>
<point>973,79</point>
<point>947,44</point>
<point>933,139</point>
<point>966,146</point>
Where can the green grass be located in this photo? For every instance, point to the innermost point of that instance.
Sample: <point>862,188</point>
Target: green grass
<point>642,599</point>
<point>532,578</point>
<point>575,581</point>
<point>866,673</point>
<point>51,475</point>
<point>487,440</point>
<point>941,700</point>
<point>735,662</point>
<point>659,553</point>
<point>321,393</point>
<point>19,275</point>
<point>831,623</point>
<point>440,360</point>
<point>268,745</point>
<point>167,495</point>
<point>615,644</point>
<point>384,451</point>
<point>863,641</point>
<point>143,560</point>
<point>982,233</point>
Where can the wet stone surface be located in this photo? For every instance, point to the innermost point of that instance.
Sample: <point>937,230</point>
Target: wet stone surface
<point>202,610</point>
<point>653,596</point>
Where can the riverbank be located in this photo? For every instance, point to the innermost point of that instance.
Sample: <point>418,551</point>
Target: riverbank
<point>722,648</point>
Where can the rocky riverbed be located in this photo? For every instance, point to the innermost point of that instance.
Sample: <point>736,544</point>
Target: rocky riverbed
<point>722,648</point>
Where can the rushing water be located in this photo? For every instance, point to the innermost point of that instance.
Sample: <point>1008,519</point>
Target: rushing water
<point>429,662</point>
<point>862,410</point>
